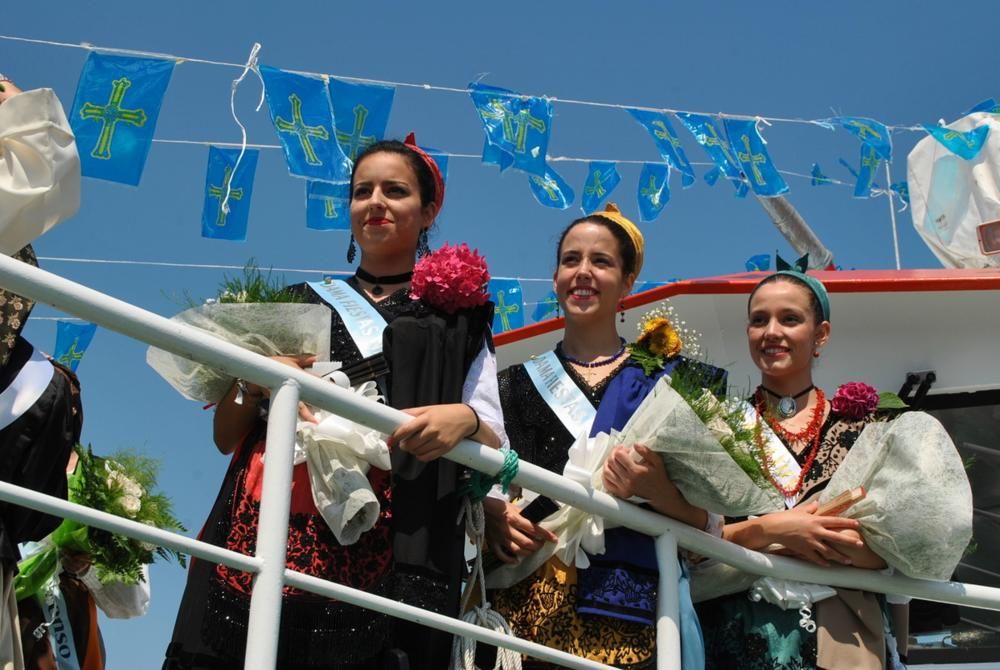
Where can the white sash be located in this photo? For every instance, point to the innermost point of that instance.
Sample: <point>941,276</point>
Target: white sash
<point>784,467</point>
<point>60,631</point>
<point>27,387</point>
<point>559,392</point>
<point>363,321</point>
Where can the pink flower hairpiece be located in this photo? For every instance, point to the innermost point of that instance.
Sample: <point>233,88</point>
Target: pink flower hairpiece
<point>451,278</point>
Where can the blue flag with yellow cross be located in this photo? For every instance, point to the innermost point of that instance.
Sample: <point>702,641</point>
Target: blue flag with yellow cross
<point>602,178</point>
<point>551,190</point>
<point>871,132</point>
<point>750,151</point>
<point>72,340</point>
<point>712,141</point>
<point>654,190</point>
<point>658,125</point>
<point>508,312</point>
<point>516,126</point>
<point>303,119</point>
<point>114,114</point>
<point>361,113</point>
<point>866,172</point>
<point>328,206</point>
<point>225,218</point>
<point>967,144</point>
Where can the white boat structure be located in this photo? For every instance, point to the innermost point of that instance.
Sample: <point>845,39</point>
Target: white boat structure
<point>889,326</point>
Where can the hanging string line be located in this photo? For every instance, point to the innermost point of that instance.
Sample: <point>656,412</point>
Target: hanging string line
<point>449,89</point>
<point>550,159</point>
<point>219,266</point>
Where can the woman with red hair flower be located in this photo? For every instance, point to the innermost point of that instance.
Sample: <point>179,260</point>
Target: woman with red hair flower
<point>422,333</point>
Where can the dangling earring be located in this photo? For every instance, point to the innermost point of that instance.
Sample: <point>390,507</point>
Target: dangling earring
<point>423,248</point>
<point>621,316</point>
<point>816,352</point>
<point>352,250</point>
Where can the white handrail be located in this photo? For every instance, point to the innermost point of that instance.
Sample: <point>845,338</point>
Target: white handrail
<point>191,343</point>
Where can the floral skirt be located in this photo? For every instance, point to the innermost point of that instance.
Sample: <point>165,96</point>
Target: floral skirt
<point>542,609</point>
<point>741,633</point>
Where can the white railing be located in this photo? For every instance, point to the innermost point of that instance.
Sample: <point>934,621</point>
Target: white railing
<point>289,386</point>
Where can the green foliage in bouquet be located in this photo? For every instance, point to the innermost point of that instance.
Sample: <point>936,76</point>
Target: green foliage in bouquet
<point>123,485</point>
<point>252,286</point>
<point>256,286</point>
<point>660,340</point>
<point>712,406</point>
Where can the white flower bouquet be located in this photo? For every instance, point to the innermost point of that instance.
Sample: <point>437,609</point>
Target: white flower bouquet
<point>124,485</point>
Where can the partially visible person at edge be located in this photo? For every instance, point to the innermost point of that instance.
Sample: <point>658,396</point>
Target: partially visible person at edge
<point>597,260</point>
<point>442,370</point>
<point>41,417</point>
<point>788,326</point>
<point>59,627</point>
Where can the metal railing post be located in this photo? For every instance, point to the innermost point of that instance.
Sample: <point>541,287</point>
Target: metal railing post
<point>668,610</point>
<point>272,531</point>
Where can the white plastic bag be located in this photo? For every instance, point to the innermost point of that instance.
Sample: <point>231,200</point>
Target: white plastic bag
<point>950,196</point>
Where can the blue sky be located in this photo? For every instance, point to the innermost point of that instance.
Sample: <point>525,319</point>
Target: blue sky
<point>900,62</point>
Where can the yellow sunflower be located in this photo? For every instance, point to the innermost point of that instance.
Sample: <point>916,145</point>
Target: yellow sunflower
<point>660,337</point>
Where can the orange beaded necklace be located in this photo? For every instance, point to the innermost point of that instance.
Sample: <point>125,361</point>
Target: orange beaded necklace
<point>811,433</point>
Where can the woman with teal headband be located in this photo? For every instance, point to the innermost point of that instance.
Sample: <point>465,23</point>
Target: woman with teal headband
<point>801,439</point>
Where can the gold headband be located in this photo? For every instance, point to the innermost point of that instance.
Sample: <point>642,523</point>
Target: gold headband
<point>613,214</point>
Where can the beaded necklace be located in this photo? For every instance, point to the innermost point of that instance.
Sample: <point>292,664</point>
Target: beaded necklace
<point>811,433</point>
<point>601,362</point>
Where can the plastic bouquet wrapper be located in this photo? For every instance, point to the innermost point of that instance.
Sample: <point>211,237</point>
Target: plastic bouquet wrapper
<point>124,486</point>
<point>269,329</point>
<point>338,454</point>
<point>918,512</point>
<point>709,474</point>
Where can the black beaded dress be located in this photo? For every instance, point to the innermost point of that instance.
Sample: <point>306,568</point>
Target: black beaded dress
<point>543,607</point>
<point>413,554</point>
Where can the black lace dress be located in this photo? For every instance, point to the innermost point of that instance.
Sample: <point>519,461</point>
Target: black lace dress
<point>413,554</point>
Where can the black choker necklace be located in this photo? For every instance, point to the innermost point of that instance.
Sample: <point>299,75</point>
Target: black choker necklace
<point>786,403</point>
<point>592,364</point>
<point>377,282</point>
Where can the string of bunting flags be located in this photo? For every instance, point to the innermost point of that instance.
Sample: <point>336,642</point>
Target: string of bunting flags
<point>322,122</point>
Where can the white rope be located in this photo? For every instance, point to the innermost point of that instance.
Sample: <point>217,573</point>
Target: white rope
<point>463,649</point>
<point>454,89</point>
<point>219,266</point>
<point>251,66</point>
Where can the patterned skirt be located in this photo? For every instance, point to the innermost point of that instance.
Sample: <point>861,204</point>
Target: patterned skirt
<point>542,609</point>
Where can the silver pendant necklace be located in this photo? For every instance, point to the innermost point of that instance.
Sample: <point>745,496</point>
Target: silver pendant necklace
<point>786,403</point>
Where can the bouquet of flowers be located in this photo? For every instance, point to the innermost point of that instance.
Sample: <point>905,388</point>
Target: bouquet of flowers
<point>254,312</point>
<point>123,485</point>
<point>917,514</point>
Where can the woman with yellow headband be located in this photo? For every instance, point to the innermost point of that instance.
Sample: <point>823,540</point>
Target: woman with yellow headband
<point>588,384</point>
